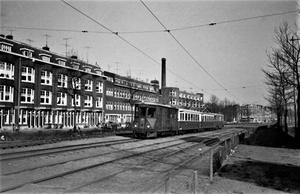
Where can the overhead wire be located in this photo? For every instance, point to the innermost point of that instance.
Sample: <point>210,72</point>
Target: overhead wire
<point>149,31</point>
<point>234,20</point>
<point>167,30</point>
<point>155,31</point>
<point>117,33</point>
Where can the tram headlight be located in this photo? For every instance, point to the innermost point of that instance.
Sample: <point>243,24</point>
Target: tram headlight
<point>148,126</point>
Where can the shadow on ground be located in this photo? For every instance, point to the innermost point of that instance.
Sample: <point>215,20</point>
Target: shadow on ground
<point>280,177</point>
<point>271,137</point>
<point>270,174</point>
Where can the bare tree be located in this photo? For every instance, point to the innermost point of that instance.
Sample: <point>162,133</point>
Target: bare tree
<point>213,104</point>
<point>289,53</point>
<point>72,83</point>
<point>132,98</point>
<point>278,87</point>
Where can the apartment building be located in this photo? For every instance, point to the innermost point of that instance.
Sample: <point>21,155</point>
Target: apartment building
<point>40,88</point>
<point>181,99</point>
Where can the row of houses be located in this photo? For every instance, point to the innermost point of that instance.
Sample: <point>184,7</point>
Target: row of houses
<point>255,113</point>
<point>40,88</point>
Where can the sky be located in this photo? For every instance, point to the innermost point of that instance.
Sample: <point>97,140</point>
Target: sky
<point>130,37</point>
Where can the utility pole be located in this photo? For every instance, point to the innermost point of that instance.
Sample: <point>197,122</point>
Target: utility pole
<point>66,39</point>
<point>47,36</point>
<point>87,53</point>
<point>117,68</point>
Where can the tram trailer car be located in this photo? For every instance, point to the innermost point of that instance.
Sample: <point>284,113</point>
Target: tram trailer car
<point>154,119</point>
<point>195,121</point>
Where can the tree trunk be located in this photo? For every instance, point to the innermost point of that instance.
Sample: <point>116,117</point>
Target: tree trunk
<point>278,121</point>
<point>297,135</point>
<point>285,120</point>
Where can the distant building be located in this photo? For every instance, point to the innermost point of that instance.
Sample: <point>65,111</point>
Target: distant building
<point>254,113</point>
<point>120,94</point>
<point>181,99</point>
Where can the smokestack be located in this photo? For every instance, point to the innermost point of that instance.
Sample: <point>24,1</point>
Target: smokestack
<point>163,72</point>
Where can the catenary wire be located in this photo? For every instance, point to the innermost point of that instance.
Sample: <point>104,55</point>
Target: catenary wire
<point>234,20</point>
<point>152,31</point>
<point>187,51</point>
<point>116,33</point>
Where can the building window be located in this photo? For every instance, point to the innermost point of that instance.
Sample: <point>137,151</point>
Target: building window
<point>28,74</point>
<point>75,65</point>
<point>46,78</point>
<point>110,92</point>
<point>27,52</point>
<point>61,62</point>
<point>109,105</point>
<point>6,93</point>
<point>99,87</point>
<point>46,97</point>
<point>62,80</point>
<point>27,95</point>
<point>77,100</point>
<point>110,79</point>
<point>88,85</point>
<point>88,101</point>
<point>99,71</point>
<point>99,102</point>
<point>45,57</point>
<point>61,99</point>
<point>88,69</point>
<point>76,83</point>
<point>5,46</point>
<point>7,70</point>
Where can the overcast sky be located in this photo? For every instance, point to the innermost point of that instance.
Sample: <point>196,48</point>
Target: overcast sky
<point>223,59</point>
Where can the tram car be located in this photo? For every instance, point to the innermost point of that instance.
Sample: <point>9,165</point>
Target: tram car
<point>154,119</point>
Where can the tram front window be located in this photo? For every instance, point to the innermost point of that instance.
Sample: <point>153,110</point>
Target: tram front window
<point>151,112</point>
<point>143,111</point>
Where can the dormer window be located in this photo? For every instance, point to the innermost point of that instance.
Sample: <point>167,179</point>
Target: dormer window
<point>75,65</point>
<point>4,46</point>
<point>87,69</point>
<point>99,71</point>
<point>61,61</point>
<point>27,52</point>
<point>45,57</point>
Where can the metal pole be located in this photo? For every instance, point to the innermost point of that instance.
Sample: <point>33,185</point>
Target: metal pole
<point>211,164</point>
<point>195,182</point>
<point>168,185</point>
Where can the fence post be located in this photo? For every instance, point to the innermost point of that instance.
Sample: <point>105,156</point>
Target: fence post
<point>195,182</point>
<point>211,164</point>
<point>168,185</point>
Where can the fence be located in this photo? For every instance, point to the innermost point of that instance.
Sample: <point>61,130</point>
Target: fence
<point>186,180</point>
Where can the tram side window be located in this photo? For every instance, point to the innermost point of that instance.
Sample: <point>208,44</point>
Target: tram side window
<point>181,116</point>
<point>151,112</point>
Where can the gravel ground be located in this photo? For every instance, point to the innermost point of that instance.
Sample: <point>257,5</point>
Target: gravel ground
<point>254,167</point>
<point>264,166</point>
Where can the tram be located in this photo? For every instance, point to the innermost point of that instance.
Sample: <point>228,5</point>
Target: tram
<point>154,119</point>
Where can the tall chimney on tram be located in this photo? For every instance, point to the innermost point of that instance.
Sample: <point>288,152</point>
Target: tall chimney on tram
<point>163,72</point>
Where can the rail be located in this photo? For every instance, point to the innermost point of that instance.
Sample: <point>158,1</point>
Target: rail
<point>185,180</point>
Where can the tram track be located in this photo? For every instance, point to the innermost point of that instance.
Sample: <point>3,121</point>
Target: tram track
<point>55,150</point>
<point>132,152</point>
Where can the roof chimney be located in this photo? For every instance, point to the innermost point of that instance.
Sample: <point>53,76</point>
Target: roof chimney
<point>10,37</point>
<point>163,72</point>
<point>46,48</point>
